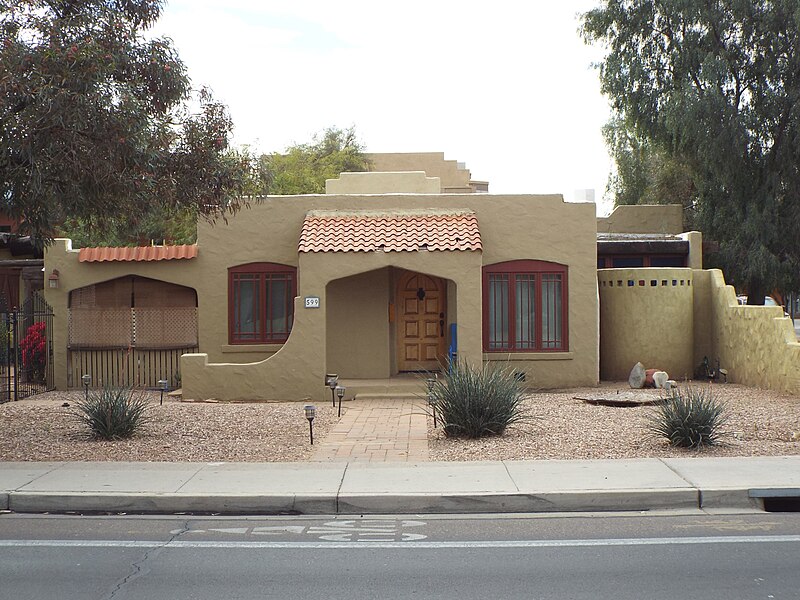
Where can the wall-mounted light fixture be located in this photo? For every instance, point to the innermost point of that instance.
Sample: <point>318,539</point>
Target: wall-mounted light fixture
<point>52,281</point>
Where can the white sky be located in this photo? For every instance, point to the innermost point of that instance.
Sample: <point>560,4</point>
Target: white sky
<point>504,86</point>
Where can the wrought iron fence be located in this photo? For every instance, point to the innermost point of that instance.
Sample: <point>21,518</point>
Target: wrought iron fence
<point>26,349</point>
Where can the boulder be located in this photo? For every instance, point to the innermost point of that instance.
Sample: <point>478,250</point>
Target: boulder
<point>637,376</point>
<point>660,379</point>
<point>648,378</point>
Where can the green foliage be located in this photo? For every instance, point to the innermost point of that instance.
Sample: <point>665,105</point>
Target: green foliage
<point>113,413</point>
<point>474,403</point>
<point>714,86</point>
<point>646,174</point>
<point>303,168</point>
<point>690,419</point>
<point>95,121</point>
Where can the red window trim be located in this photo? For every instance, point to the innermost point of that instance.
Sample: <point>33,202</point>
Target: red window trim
<point>260,269</point>
<point>522,267</point>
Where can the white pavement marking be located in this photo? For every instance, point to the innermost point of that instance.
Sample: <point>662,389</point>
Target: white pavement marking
<point>179,544</point>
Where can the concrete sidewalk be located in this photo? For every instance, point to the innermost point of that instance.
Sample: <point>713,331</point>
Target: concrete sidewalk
<point>399,488</point>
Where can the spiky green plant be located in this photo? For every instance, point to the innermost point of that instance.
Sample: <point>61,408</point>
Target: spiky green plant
<point>113,413</point>
<point>476,402</point>
<point>689,419</point>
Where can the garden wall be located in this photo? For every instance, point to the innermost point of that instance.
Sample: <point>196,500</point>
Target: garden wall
<point>647,316</point>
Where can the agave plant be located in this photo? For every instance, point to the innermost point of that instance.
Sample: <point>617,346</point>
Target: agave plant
<point>476,402</point>
<point>689,419</point>
<point>113,413</point>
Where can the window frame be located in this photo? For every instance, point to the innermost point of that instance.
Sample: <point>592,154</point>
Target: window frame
<point>262,272</point>
<point>526,267</point>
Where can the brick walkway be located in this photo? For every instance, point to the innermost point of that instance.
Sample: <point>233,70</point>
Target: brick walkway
<point>378,430</point>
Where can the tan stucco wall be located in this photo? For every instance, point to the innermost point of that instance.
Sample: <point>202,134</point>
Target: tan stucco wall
<point>357,326</point>
<point>756,344</point>
<point>645,318</point>
<point>643,218</point>
<point>410,182</point>
<point>695,258</point>
<point>454,180</point>
<point>74,274</point>
<point>512,227</point>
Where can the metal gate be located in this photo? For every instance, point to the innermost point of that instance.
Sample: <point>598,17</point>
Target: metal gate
<point>26,349</point>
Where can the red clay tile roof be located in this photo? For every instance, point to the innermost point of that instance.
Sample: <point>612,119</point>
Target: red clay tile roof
<point>141,253</point>
<point>331,231</point>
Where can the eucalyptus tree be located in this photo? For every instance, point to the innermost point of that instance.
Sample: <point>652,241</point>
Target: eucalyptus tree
<point>717,86</point>
<point>99,124</point>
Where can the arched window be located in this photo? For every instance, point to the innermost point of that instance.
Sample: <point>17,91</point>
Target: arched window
<point>261,303</point>
<point>525,307</point>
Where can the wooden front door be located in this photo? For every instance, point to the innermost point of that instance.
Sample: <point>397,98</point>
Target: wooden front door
<point>421,322</point>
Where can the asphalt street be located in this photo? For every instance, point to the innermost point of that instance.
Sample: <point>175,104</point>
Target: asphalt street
<point>638,556</point>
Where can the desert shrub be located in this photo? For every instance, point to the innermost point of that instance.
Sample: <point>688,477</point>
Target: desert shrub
<point>113,413</point>
<point>689,419</point>
<point>476,402</point>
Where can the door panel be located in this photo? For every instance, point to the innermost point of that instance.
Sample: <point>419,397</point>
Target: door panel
<point>421,341</point>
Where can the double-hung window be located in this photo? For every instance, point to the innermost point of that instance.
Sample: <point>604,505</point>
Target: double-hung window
<point>261,303</point>
<point>525,307</point>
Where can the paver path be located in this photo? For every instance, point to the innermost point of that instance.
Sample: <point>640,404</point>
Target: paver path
<point>378,430</point>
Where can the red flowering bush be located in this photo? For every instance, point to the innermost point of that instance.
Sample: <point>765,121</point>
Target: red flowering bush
<point>34,351</point>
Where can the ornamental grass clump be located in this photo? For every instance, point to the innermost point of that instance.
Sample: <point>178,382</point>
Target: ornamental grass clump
<point>113,413</point>
<point>689,419</point>
<point>477,402</point>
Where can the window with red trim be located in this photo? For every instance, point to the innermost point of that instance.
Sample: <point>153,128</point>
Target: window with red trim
<point>525,307</point>
<point>261,303</point>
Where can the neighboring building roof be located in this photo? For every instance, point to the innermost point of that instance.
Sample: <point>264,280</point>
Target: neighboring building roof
<point>370,231</point>
<point>140,253</point>
<point>641,243</point>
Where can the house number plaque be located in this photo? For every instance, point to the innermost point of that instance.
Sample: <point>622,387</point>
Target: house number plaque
<point>312,301</point>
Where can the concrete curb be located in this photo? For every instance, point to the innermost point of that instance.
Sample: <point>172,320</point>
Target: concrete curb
<point>353,504</point>
<point>3,501</point>
<point>578,501</point>
<point>134,502</point>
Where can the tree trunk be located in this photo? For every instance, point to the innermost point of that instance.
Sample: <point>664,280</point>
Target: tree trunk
<point>756,291</point>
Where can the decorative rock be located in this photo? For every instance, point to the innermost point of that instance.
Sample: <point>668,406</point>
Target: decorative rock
<point>660,379</point>
<point>637,376</point>
<point>671,385</point>
<point>648,378</point>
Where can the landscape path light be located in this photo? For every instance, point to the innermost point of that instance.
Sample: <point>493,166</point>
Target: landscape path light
<point>162,385</point>
<point>431,383</point>
<point>86,380</point>
<point>340,392</point>
<point>310,410</point>
<point>332,380</point>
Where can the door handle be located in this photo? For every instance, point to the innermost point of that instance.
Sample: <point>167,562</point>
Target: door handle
<point>441,327</point>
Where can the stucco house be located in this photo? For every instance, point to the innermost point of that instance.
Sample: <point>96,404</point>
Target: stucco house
<point>365,285</point>
<point>389,275</point>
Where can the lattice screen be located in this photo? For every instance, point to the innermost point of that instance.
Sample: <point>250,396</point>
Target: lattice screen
<point>171,327</point>
<point>100,328</point>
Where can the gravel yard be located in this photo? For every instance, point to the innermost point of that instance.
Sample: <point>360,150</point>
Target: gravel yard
<point>760,423</point>
<point>41,429</point>
<point>559,427</point>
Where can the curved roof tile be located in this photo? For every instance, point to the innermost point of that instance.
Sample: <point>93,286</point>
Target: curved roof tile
<point>404,232</point>
<point>139,253</point>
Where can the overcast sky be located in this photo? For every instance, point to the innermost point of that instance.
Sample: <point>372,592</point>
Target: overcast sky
<point>504,86</point>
